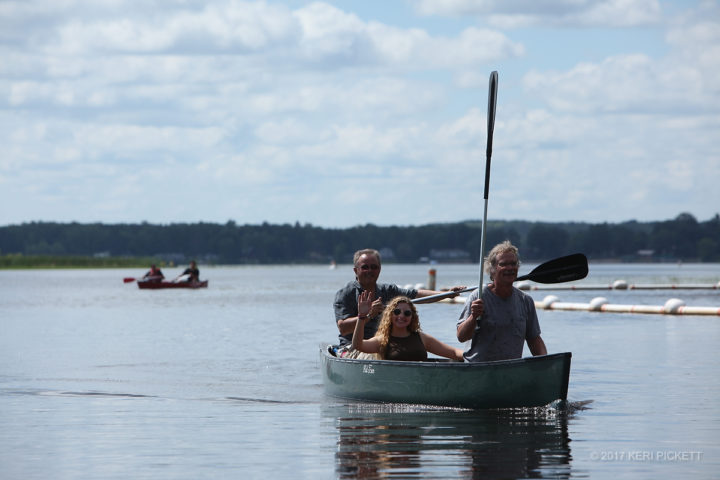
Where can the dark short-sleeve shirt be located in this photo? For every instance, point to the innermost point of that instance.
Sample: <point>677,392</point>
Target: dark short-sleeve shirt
<point>504,327</point>
<point>193,272</point>
<point>346,303</point>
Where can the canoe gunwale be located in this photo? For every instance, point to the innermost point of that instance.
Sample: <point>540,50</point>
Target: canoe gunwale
<point>445,363</point>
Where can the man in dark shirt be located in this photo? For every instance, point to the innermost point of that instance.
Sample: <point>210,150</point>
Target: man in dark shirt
<point>367,270</point>
<point>192,272</point>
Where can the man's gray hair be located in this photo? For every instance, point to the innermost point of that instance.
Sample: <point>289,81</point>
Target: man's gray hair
<point>366,251</point>
<point>490,263</point>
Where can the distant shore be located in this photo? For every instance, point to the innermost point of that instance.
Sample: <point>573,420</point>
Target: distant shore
<point>28,262</point>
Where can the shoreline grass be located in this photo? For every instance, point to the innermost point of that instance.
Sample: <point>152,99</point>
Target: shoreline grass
<point>18,262</point>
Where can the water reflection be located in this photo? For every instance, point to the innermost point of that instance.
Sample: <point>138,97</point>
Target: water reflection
<point>392,441</point>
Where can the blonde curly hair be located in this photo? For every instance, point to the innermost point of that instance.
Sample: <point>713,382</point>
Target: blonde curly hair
<point>385,327</point>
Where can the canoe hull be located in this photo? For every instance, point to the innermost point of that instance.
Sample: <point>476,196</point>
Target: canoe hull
<point>158,285</point>
<point>524,382</point>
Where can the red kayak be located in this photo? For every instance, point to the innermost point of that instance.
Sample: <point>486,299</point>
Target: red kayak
<point>156,285</point>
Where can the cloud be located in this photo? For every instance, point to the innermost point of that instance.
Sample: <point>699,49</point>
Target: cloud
<point>327,115</point>
<point>622,129</point>
<point>189,58</point>
<point>222,27</point>
<point>686,80</point>
<point>546,13</point>
<point>316,33</point>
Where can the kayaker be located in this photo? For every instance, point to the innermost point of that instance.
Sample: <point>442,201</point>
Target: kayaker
<point>398,336</point>
<point>367,265</point>
<point>153,275</point>
<point>192,272</point>
<point>504,318</point>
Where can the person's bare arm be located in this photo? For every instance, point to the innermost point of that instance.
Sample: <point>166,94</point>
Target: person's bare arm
<point>451,293</point>
<point>347,325</point>
<point>435,346</point>
<point>466,329</point>
<point>371,345</point>
<point>537,346</point>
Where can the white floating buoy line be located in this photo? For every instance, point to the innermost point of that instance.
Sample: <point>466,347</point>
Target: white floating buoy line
<point>673,306</point>
<point>620,285</point>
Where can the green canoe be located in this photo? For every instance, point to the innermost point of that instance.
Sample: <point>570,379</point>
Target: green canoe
<point>523,382</point>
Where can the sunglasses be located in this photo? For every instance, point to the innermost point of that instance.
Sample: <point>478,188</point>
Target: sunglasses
<point>407,313</point>
<point>369,267</point>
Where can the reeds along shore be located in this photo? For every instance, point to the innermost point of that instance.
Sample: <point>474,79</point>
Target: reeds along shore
<point>17,261</point>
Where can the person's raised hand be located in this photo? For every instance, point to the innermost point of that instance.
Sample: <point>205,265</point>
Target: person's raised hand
<point>365,303</point>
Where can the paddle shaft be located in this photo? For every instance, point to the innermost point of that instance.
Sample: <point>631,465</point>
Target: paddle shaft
<point>492,103</point>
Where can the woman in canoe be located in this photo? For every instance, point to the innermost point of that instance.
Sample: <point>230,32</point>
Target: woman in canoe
<point>398,336</point>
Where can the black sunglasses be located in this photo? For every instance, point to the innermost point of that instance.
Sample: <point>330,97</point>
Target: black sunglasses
<point>407,313</point>
<point>369,267</point>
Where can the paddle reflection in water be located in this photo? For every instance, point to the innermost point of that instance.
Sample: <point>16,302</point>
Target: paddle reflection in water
<point>382,441</point>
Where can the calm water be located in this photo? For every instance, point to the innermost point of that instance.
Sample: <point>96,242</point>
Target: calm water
<point>101,380</point>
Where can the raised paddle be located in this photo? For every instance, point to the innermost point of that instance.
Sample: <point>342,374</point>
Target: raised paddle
<point>492,103</point>
<point>129,279</point>
<point>563,269</point>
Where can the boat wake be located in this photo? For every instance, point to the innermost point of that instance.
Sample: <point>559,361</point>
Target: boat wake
<point>264,400</point>
<point>102,394</point>
<point>569,407</point>
<point>579,405</point>
<point>55,393</point>
<point>558,408</point>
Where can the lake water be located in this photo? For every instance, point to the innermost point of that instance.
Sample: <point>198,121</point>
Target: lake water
<point>99,379</point>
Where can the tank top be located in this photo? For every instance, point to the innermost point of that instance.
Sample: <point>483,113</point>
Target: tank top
<point>410,348</point>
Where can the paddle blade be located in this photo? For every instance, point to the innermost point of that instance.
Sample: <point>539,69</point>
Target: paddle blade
<point>128,279</point>
<point>559,270</point>
<point>492,106</point>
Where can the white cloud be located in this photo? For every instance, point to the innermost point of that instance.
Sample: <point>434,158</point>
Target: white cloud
<point>229,26</point>
<point>278,111</point>
<point>523,13</point>
<point>128,139</point>
<point>687,79</point>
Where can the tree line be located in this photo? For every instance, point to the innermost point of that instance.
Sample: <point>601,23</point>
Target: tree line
<point>683,238</point>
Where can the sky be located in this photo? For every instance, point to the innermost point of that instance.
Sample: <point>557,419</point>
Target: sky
<point>343,113</point>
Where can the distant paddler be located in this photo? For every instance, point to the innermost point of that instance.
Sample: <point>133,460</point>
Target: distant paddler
<point>153,275</point>
<point>190,274</point>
